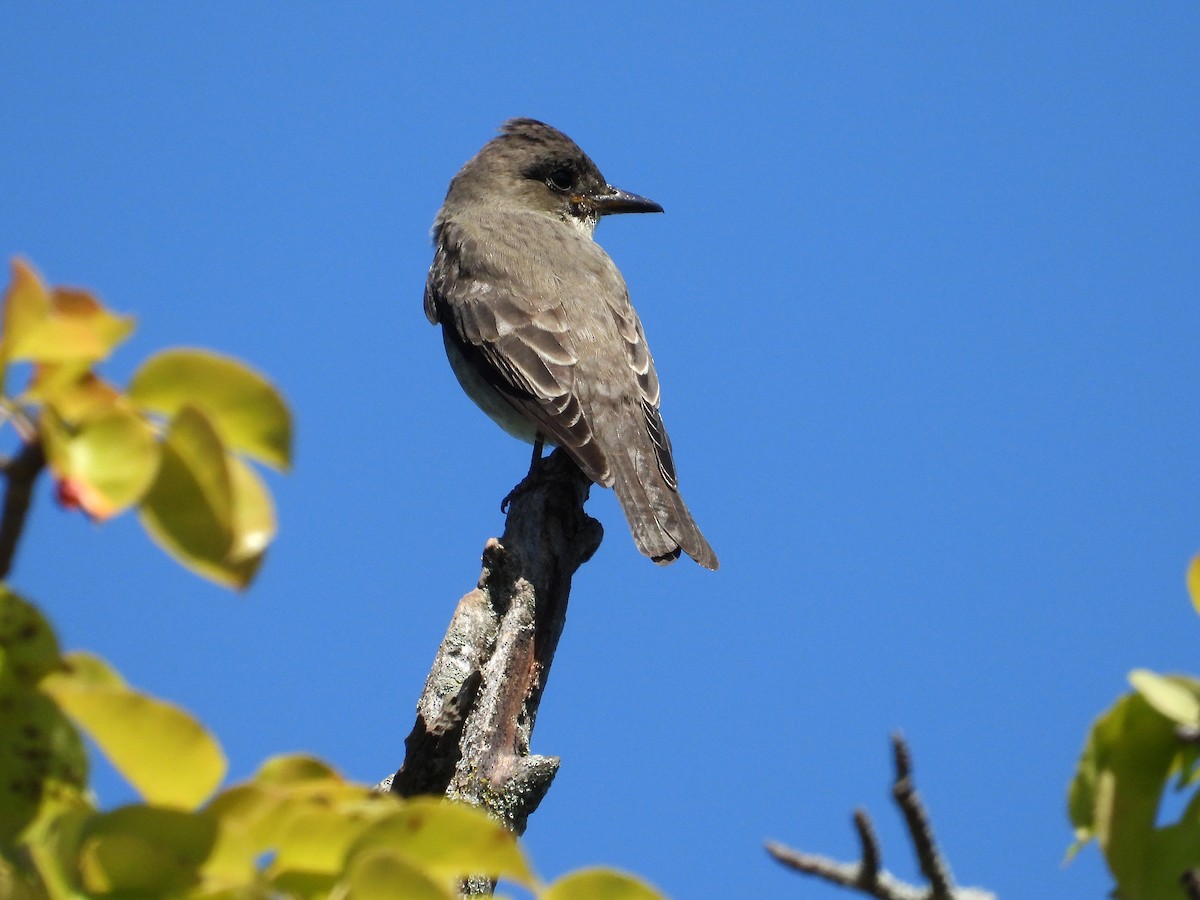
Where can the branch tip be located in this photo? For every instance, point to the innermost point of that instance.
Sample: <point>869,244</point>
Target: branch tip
<point>868,877</point>
<point>872,855</point>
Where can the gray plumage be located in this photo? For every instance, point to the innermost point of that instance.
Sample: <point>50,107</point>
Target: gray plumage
<point>539,329</point>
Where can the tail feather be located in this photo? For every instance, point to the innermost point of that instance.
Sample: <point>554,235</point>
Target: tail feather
<point>660,521</point>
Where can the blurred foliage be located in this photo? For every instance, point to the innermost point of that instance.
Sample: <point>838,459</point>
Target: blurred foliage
<point>1146,744</point>
<point>296,829</point>
<point>172,445</point>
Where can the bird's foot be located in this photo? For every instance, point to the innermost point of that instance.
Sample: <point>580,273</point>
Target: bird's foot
<point>535,467</point>
<point>525,484</point>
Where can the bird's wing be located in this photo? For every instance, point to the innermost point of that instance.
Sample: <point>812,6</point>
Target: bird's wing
<point>518,339</point>
<point>637,353</point>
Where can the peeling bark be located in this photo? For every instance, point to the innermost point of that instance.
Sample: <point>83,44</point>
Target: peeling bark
<point>476,714</point>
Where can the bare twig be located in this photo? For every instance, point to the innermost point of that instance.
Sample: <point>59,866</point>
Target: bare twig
<point>477,711</point>
<point>872,856</point>
<point>867,876</point>
<point>933,865</point>
<point>21,471</point>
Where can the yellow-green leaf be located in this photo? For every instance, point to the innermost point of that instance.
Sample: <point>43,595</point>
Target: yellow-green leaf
<point>380,874</point>
<point>189,509</point>
<point>59,326</point>
<point>26,303</point>
<point>145,851</point>
<point>164,753</point>
<point>599,884</point>
<point>1193,581</point>
<point>233,861</point>
<point>107,462</point>
<point>76,391</point>
<point>246,831</point>
<point>55,435</point>
<point>295,768</point>
<point>246,409</point>
<point>253,514</point>
<point>449,841</point>
<point>313,838</point>
<point>263,814</point>
<point>1174,697</point>
<point>1117,790</point>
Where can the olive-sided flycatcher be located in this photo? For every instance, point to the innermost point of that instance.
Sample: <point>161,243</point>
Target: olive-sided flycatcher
<point>539,329</point>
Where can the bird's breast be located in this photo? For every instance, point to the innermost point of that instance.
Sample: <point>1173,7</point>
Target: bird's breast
<point>486,396</point>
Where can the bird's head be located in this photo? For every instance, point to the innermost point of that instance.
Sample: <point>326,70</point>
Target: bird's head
<point>533,166</point>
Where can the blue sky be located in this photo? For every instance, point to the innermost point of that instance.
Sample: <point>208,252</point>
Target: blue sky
<point>924,306</point>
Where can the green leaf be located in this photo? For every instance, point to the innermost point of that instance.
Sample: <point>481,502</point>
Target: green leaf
<point>246,409</point>
<point>28,647</point>
<point>54,850</point>
<point>449,841</point>
<point>164,753</point>
<point>1174,697</point>
<point>60,326</point>
<point>107,462</point>
<point>1124,766</point>
<point>145,850</point>
<point>379,874</point>
<point>43,768</point>
<point>190,508</point>
<point>599,884</point>
<point>1126,763</point>
<point>295,883</point>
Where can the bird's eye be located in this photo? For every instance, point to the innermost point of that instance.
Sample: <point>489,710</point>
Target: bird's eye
<point>561,179</point>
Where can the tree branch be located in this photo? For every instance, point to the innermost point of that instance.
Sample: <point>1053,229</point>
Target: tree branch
<point>933,865</point>
<point>867,876</point>
<point>1191,883</point>
<point>476,714</point>
<point>21,471</point>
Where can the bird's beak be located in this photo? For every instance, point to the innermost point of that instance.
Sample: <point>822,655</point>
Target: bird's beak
<point>614,200</point>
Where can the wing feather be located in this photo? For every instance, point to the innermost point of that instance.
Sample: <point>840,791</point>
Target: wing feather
<point>520,344</point>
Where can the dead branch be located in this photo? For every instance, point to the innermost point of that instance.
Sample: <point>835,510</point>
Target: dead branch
<point>476,714</point>
<point>867,876</point>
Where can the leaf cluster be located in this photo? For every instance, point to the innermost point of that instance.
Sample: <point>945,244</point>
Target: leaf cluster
<point>1134,753</point>
<point>174,444</point>
<point>296,829</point>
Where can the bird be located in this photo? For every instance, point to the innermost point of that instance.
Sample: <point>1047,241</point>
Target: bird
<point>540,331</point>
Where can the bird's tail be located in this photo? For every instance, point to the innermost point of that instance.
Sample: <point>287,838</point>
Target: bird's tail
<point>644,479</point>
